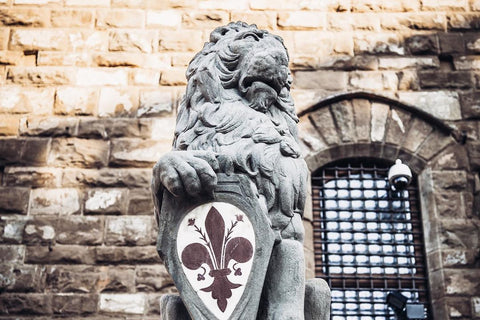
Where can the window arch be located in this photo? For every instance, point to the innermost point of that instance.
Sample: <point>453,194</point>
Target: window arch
<point>368,240</point>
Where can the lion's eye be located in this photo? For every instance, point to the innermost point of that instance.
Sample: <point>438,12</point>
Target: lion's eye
<point>251,36</point>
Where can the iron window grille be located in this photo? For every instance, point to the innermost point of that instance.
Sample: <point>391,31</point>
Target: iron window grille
<point>368,239</point>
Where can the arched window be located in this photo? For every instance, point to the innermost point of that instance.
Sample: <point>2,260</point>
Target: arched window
<point>368,239</point>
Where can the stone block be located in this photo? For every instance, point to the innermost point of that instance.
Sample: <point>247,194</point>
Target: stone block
<point>115,102</point>
<point>39,231</point>
<point>48,126</point>
<point>88,40</point>
<point>362,116</point>
<point>36,2</point>
<point>14,200</point>
<point>458,307</point>
<point>131,41</point>
<point>39,75</point>
<point>454,5</point>
<point>453,157</point>
<point>71,18</point>
<point>472,43</point>
<point>87,3</point>
<point>441,104</point>
<point>32,177</point>
<point>458,258</point>
<point>155,103</point>
<point>127,255</point>
<point>11,58</point>
<point>78,279</point>
<point>140,202</point>
<point>129,230</point>
<point>379,115</point>
<point>17,99</point>
<point>65,254</point>
<point>173,77</point>
<point>26,304</point>
<point>463,21</point>
<point>38,39</point>
<point>172,40</point>
<point>9,125</point>
<point>74,304</point>
<point>11,229</point>
<point>373,81</point>
<point>76,101</point>
<point>449,205</point>
<point>302,20</point>
<point>108,177</point>
<point>414,21</point>
<point>106,201</point>
<point>152,278</point>
<point>470,104</point>
<point>24,17</point>
<point>79,152</point>
<point>205,19</point>
<point>476,306</point>
<point>458,233</point>
<point>64,201</point>
<point>145,77</point>
<point>418,132</point>
<point>451,43</point>
<point>22,278</point>
<point>379,43</point>
<point>326,80</point>
<point>12,253</point>
<point>449,79</point>
<point>134,303</point>
<point>57,58</point>
<point>116,279</point>
<point>101,77</point>
<point>119,127</point>
<point>163,18</point>
<point>137,153</point>
<point>80,230</point>
<point>434,143</point>
<point>464,63</point>
<point>400,63</point>
<point>398,124</point>
<point>263,19</point>
<point>113,18</point>
<point>118,59</point>
<point>316,43</point>
<point>422,44</point>
<point>343,116</point>
<point>323,120</point>
<point>462,282</point>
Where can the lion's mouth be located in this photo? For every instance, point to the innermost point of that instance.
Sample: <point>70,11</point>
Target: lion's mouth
<point>275,83</point>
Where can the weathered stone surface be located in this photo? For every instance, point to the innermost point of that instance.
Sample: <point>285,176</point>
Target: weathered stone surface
<point>32,177</point>
<point>111,177</point>
<point>164,18</point>
<point>179,41</point>
<point>64,201</point>
<point>470,104</point>
<point>173,77</point>
<point>323,120</point>
<point>449,205</point>
<point>74,304</point>
<point>14,200</point>
<point>123,303</point>
<point>131,41</point>
<point>398,124</point>
<point>48,126</point>
<point>60,255</point>
<point>401,63</point>
<point>101,76</point>
<point>27,304</point>
<point>205,19</point>
<point>383,43</point>
<point>24,17</point>
<point>417,133</point>
<point>414,21</point>
<point>453,157</point>
<point>343,116</point>
<point>12,253</point>
<point>441,104</point>
<point>137,153</point>
<point>71,18</point>
<point>39,75</point>
<point>9,125</point>
<point>129,230</point>
<point>15,99</point>
<point>422,44</point>
<point>79,152</point>
<point>106,201</point>
<point>152,279</point>
<point>22,278</point>
<point>80,230</point>
<point>459,234</point>
<point>127,255</point>
<point>379,119</point>
<point>450,79</point>
<point>110,128</point>
<point>309,137</point>
<point>327,80</point>
<point>78,279</point>
<point>40,230</point>
<point>462,282</point>
<point>120,19</point>
<point>458,258</point>
<point>76,101</point>
<point>155,103</point>
<point>362,116</point>
<point>434,143</point>
<point>11,229</point>
<point>373,81</point>
<point>145,77</point>
<point>302,20</point>
<point>42,39</point>
<point>140,202</point>
<point>117,102</point>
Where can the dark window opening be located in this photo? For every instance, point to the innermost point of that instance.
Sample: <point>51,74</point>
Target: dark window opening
<point>368,239</point>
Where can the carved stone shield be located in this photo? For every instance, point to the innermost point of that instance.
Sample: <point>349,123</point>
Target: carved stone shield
<point>217,249</point>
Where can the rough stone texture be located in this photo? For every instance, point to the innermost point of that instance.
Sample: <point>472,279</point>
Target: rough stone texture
<point>56,62</point>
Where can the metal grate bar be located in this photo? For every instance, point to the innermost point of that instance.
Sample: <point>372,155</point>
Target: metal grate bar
<point>368,240</point>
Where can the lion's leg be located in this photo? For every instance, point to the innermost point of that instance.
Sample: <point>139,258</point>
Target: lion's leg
<point>284,288</point>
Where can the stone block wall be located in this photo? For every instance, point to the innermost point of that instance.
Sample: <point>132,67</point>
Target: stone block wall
<point>88,97</point>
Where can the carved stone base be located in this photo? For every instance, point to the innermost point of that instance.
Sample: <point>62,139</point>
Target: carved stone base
<point>317,303</point>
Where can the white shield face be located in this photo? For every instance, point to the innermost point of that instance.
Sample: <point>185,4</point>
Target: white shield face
<point>216,245</point>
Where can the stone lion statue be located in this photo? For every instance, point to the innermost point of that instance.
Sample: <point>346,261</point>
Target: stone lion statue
<point>238,116</point>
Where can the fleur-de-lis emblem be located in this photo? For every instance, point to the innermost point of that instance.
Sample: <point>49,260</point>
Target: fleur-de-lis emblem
<point>217,249</point>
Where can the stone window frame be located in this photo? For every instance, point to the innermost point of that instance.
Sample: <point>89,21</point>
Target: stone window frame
<point>366,125</point>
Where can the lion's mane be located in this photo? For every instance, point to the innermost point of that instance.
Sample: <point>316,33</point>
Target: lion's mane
<point>249,118</point>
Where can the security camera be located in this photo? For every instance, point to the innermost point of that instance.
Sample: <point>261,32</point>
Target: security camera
<point>399,176</point>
